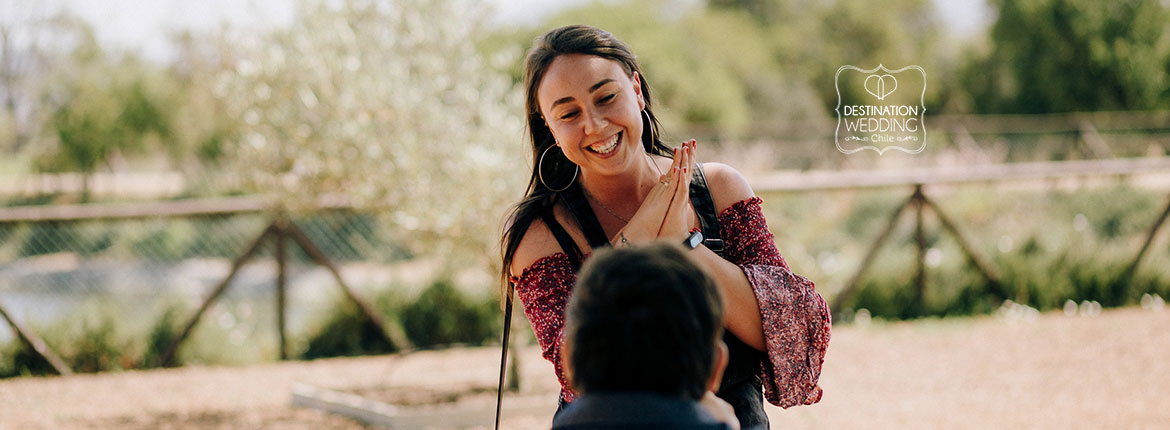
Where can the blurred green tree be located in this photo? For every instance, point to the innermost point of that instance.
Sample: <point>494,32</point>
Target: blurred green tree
<point>100,109</point>
<point>1074,55</point>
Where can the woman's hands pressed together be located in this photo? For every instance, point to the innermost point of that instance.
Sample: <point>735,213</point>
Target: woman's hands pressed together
<point>666,212</point>
<point>679,216</point>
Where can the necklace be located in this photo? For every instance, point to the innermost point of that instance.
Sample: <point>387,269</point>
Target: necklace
<point>606,208</point>
<point>603,206</point>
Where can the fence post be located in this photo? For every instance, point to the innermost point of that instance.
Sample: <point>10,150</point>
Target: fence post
<point>920,260</point>
<point>281,283</point>
<point>847,292</point>
<point>169,353</point>
<point>396,337</point>
<point>983,267</point>
<point>1131,270</point>
<point>38,346</point>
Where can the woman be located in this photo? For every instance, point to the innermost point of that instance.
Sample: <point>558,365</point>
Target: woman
<point>602,177</point>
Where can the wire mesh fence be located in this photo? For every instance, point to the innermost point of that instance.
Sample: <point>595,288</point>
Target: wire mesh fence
<point>121,278</point>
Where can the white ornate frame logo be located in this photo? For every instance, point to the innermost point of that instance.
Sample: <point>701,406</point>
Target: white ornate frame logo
<point>877,85</point>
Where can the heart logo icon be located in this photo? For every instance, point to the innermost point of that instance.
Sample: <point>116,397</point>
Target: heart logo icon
<point>879,86</point>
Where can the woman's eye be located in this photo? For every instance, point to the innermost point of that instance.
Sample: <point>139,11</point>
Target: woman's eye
<point>606,99</point>
<point>569,115</point>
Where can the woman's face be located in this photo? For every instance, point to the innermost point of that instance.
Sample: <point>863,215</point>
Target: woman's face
<point>594,110</point>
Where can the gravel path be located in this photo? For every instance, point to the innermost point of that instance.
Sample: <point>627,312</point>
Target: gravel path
<point>1052,371</point>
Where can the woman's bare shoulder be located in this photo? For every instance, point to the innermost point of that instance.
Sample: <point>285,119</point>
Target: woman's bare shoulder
<point>727,185</point>
<point>539,242</point>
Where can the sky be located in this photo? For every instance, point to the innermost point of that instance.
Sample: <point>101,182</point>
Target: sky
<point>144,25</point>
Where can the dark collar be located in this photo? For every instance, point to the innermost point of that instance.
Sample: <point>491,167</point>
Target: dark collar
<point>634,410</point>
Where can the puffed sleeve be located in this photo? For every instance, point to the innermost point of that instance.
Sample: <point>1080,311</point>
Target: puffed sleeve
<point>796,319</point>
<point>544,289</point>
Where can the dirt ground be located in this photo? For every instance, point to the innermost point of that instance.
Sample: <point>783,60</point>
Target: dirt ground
<point>1050,371</point>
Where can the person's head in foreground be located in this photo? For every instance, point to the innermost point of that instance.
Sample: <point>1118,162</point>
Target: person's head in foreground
<point>643,324</point>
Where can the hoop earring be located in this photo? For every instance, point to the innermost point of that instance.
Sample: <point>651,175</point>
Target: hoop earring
<point>540,172</point>
<point>650,125</point>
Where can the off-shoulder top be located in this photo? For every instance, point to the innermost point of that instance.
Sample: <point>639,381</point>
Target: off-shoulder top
<point>796,320</point>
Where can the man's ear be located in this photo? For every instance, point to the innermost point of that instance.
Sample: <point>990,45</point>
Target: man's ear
<point>721,358</point>
<point>566,350</point>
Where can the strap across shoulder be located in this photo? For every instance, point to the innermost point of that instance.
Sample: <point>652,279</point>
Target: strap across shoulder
<point>563,238</point>
<point>705,207</point>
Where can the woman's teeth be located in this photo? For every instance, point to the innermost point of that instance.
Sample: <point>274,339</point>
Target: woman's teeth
<point>607,146</point>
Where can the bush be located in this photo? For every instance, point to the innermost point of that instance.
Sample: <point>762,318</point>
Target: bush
<point>346,332</point>
<point>164,331</point>
<point>443,315</point>
<point>20,360</point>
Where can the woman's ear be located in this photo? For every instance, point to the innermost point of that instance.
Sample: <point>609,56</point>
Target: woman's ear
<point>721,358</point>
<point>637,78</point>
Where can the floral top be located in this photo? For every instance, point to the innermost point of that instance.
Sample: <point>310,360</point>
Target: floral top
<point>795,318</point>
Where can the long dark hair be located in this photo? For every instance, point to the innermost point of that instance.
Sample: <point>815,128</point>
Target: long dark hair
<point>558,170</point>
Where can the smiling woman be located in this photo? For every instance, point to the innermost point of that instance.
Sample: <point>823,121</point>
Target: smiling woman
<point>602,177</point>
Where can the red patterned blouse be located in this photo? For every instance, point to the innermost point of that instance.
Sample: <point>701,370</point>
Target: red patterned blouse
<point>796,320</point>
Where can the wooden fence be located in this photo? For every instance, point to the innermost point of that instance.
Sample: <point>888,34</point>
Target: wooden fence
<point>917,180</point>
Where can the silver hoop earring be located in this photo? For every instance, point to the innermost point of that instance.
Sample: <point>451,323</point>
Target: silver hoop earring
<point>540,172</point>
<point>649,124</point>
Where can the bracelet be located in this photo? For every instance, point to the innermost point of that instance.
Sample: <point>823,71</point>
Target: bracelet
<point>622,235</point>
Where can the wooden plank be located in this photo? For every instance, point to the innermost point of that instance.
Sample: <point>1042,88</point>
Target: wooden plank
<point>763,183</point>
<point>393,333</point>
<point>178,208</point>
<point>846,293</point>
<point>368,411</point>
<point>1130,270</point>
<point>850,179</point>
<point>38,346</point>
<point>169,354</point>
<point>174,209</point>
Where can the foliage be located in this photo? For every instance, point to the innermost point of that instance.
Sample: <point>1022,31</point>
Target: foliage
<point>387,102</point>
<point>346,332</point>
<point>443,315</point>
<point>1047,247</point>
<point>91,342</point>
<point>102,109</point>
<point>165,330</point>
<point>1074,55</point>
<point>440,315</point>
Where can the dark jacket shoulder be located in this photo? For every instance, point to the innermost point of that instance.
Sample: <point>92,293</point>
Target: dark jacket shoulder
<point>606,411</point>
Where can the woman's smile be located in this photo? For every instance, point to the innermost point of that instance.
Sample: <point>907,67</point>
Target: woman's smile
<point>606,147</point>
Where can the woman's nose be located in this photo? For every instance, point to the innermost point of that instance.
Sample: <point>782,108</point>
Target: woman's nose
<point>594,122</point>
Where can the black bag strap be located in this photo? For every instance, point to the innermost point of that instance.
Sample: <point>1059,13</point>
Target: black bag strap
<point>586,219</point>
<point>705,208</point>
<point>504,352</point>
<point>564,239</point>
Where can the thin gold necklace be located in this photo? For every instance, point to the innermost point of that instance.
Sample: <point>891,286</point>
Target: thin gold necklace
<point>606,208</point>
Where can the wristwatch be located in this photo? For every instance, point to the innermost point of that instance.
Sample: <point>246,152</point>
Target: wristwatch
<point>693,240</point>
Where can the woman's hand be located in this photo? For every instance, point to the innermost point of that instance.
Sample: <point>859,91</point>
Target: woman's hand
<point>646,224</point>
<point>679,217</point>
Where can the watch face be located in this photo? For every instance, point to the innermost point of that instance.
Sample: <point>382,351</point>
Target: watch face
<point>693,240</point>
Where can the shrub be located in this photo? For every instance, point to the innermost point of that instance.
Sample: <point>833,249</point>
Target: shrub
<point>346,332</point>
<point>443,315</point>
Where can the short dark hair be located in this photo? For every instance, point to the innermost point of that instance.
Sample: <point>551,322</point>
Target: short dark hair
<point>643,319</point>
